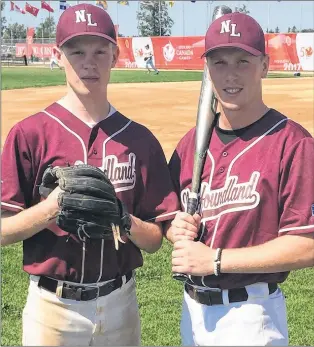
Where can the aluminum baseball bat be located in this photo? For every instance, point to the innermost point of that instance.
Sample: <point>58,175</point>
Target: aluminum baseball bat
<point>206,119</point>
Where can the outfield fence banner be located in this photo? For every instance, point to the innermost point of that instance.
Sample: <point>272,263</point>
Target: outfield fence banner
<point>39,50</point>
<point>288,52</point>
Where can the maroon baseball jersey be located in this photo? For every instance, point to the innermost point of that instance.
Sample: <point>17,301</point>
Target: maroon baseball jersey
<point>254,189</point>
<point>134,162</point>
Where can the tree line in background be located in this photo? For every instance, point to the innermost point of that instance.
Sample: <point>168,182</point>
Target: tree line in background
<point>46,29</point>
<point>3,19</point>
<point>153,20</point>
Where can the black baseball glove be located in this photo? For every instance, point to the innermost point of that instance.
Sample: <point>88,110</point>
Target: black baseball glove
<point>88,203</point>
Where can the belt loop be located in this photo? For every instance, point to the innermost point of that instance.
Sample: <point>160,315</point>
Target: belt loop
<point>78,294</point>
<point>98,291</point>
<point>123,280</point>
<point>225,297</point>
<point>59,289</point>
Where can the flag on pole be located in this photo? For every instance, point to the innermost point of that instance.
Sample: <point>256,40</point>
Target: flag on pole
<point>103,4</point>
<point>16,8</point>
<point>123,3</point>
<point>31,9</point>
<point>46,6</point>
<point>63,5</point>
<point>171,3</point>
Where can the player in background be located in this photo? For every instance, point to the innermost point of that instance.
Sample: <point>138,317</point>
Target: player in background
<point>83,293</point>
<point>256,220</point>
<point>148,58</point>
<point>53,61</point>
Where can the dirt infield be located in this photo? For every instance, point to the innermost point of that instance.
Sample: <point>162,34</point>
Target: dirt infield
<point>167,109</point>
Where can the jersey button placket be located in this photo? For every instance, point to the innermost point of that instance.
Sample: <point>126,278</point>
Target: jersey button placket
<point>222,169</point>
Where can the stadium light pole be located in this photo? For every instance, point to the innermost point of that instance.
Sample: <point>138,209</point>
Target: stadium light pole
<point>138,21</point>
<point>206,20</point>
<point>183,20</point>
<point>301,15</point>
<point>159,3</point>
<point>11,37</point>
<point>117,16</point>
<point>42,37</point>
<point>210,12</point>
<point>49,26</point>
<point>268,16</point>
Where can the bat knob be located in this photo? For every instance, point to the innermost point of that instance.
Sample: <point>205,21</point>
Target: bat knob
<point>180,277</point>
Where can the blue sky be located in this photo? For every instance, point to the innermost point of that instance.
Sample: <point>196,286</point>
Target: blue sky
<point>190,18</point>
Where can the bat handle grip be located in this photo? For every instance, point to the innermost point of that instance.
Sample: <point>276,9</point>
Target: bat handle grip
<point>191,209</point>
<point>192,206</point>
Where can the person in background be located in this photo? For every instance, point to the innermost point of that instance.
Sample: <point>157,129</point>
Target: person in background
<point>148,58</point>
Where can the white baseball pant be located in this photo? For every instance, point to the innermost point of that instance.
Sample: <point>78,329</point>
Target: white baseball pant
<point>260,321</point>
<point>111,320</point>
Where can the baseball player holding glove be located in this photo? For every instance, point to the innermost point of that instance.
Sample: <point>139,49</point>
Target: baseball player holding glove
<point>256,220</point>
<point>85,189</point>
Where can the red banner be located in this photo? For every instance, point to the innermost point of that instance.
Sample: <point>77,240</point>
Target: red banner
<point>29,41</point>
<point>36,49</point>
<point>30,35</point>
<point>169,52</point>
<point>179,52</point>
<point>290,52</point>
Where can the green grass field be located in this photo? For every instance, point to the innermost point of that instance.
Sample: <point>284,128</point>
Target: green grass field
<point>159,300</point>
<point>14,78</point>
<point>158,294</point>
<point>24,77</point>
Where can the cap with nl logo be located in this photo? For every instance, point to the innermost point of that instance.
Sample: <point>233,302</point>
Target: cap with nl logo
<point>84,19</point>
<point>236,30</point>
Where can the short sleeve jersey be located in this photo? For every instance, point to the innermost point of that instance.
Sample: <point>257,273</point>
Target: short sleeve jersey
<point>254,189</point>
<point>134,162</point>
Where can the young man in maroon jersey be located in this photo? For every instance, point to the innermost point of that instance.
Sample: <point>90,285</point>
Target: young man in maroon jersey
<point>256,216</point>
<point>83,127</point>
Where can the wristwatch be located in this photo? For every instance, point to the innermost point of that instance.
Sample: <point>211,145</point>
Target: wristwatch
<point>127,223</point>
<point>126,219</point>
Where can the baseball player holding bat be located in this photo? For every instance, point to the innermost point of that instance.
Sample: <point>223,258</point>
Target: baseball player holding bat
<point>255,219</point>
<point>85,189</point>
<point>206,120</point>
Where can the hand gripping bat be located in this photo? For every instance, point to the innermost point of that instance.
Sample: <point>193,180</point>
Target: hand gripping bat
<point>206,119</point>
